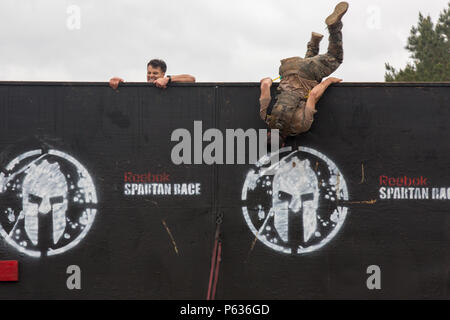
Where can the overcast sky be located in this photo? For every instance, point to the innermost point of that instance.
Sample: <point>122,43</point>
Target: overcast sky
<point>214,40</point>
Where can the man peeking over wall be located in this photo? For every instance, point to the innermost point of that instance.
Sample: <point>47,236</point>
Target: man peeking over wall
<point>156,74</point>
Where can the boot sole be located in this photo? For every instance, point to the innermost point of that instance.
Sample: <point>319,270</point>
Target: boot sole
<point>317,35</point>
<point>339,11</point>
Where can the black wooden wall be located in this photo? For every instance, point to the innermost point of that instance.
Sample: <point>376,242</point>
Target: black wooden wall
<point>367,130</point>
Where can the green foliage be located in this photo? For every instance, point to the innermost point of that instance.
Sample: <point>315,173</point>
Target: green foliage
<point>430,52</point>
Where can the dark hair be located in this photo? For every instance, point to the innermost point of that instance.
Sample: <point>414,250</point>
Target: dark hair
<point>158,63</point>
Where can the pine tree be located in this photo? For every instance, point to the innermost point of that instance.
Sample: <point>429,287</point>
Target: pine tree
<point>430,51</point>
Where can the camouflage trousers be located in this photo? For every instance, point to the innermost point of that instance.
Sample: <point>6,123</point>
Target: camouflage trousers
<point>318,66</point>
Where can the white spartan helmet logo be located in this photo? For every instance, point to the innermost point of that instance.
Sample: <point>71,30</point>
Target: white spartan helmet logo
<point>44,192</point>
<point>295,192</point>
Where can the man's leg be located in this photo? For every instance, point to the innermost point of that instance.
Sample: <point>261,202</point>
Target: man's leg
<point>313,45</point>
<point>265,97</point>
<point>326,64</point>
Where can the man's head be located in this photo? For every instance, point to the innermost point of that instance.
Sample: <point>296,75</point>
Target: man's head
<point>156,69</point>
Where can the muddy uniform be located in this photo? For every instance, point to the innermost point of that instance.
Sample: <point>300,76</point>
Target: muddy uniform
<point>298,77</point>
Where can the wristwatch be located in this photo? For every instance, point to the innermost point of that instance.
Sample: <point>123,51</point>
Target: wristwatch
<point>170,79</point>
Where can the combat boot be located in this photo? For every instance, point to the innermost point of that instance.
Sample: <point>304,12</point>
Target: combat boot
<point>334,18</point>
<point>316,38</point>
<point>313,45</point>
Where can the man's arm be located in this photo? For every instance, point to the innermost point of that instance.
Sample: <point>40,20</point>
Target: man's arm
<point>162,82</point>
<point>265,97</point>
<point>317,92</point>
<point>183,78</point>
